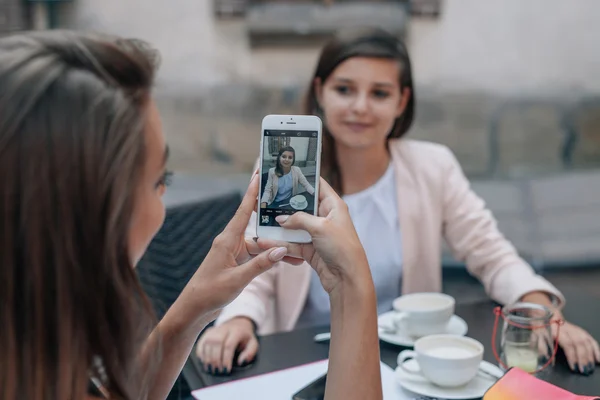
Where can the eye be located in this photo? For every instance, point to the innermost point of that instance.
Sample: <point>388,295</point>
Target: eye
<point>381,94</point>
<point>343,89</point>
<point>165,179</point>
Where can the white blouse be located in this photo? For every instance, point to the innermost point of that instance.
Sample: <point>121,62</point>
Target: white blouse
<point>374,212</point>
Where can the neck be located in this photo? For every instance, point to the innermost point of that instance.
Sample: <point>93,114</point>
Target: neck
<point>361,168</point>
<point>286,170</point>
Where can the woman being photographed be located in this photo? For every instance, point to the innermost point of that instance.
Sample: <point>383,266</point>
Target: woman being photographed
<point>284,179</point>
<point>82,174</point>
<point>405,196</point>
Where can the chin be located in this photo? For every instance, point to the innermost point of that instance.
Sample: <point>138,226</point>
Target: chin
<point>356,143</point>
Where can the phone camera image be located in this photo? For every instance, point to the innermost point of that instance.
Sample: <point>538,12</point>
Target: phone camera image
<point>289,169</point>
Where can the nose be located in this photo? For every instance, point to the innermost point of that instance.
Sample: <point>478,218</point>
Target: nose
<point>361,103</point>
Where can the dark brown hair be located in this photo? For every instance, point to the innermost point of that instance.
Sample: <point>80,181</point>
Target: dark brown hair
<point>278,167</point>
<point>72,115</point>
<point>375,43</point>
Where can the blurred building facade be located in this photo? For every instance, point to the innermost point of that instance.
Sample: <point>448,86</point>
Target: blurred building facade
<point>510,86</point>
<point>13,16</point>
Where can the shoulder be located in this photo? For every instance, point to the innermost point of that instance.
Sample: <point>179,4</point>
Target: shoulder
<point>423,154</point>
<point>272,171</point>
<point>296,169</point>
<point>421,147</point>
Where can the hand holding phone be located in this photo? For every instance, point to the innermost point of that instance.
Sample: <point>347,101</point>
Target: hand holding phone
<point>290,162</point>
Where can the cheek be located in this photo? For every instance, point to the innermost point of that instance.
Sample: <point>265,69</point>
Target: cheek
<point>334,106</point>
<point>147,220</point>
<point>386,114</point>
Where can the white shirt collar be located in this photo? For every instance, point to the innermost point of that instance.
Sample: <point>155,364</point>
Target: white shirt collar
<point>383,194</point>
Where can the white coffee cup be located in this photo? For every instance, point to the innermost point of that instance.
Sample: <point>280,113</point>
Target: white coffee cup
<point>444,360</point>
<point>421,314</point>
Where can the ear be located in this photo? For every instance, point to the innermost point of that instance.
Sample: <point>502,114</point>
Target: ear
<point>405,97</point>
<point>318,87</point>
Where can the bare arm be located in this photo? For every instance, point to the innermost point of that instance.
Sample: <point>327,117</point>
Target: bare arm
<point>340,261</point>
<point>175,334</point>
<point>354,367</point>
<point>226,270</point>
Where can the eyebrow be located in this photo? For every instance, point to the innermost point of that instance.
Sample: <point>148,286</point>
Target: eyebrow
<point>380,84</point>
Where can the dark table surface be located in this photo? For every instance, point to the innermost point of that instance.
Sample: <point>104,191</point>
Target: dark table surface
<point>285,350</point>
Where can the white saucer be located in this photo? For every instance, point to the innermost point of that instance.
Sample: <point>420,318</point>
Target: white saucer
<point>298,202</point>
<point>472,390</point>
<point>456,326</point>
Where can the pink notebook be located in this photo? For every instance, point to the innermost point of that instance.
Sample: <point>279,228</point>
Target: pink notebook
<point>517,384</point>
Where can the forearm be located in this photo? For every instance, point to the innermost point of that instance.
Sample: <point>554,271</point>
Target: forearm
<point>354,366</point>
<point>173,339</point>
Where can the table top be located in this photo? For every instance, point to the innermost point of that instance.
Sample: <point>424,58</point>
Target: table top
<point>284,204</point>
<point>285,350</point>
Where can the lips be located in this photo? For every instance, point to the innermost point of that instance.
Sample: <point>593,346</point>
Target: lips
<point>357,126</point>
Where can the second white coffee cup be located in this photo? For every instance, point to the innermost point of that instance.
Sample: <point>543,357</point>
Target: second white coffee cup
<point>444,360</point>
<point>421,314</point>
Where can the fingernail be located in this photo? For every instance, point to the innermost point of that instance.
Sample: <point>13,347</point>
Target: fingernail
<point>575,367</point>
<point>241,362</point>
<point>278,254</point>
<point>255,239</point>
<point>209,369</point>
<point>585,371</point>
<point>282,218</point>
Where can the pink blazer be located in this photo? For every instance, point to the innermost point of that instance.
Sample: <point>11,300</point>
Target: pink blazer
<point>272,184</point>
<point>435,201</point>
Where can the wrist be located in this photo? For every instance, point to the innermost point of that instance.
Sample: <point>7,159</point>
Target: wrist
<point>245,323</point>
<point>544,299</point>
<point>359,289</point>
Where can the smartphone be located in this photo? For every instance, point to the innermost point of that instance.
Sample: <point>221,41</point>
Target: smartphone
<point>290,164</point>
<point>313,391</point>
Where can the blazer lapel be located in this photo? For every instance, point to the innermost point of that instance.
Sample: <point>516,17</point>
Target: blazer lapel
<point>409,211</point>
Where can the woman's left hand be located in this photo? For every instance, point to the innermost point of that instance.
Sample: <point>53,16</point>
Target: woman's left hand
<point>229,266</point>
<point>581,349</point>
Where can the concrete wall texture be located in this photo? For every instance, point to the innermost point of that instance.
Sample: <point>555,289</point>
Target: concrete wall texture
<point>214,89</point>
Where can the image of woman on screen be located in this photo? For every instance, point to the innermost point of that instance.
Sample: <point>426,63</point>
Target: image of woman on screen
<point>284,178</point>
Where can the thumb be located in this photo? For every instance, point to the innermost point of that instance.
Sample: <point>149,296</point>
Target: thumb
<point>259,264</point>
<point>300,220</point>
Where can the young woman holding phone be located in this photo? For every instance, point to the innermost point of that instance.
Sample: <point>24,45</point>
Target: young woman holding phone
<point>82,174</point>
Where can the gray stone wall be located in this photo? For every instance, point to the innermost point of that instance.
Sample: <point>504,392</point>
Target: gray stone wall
<point>218,130</point>
<point>12,16</point>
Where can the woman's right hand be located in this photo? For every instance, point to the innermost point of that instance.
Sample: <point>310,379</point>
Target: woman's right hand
<point>338,257</point>
<point>335,252</point>
<point>217,345</point>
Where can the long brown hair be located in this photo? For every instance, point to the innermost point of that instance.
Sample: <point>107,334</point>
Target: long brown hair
<point>72,112</point>
<point>358,43</point>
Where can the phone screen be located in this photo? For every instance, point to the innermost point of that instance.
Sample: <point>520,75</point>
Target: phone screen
<point>289,173</point>
<point>313,391</point>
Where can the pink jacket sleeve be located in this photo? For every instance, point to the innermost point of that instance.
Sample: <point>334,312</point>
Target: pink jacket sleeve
<point>471,232</point>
